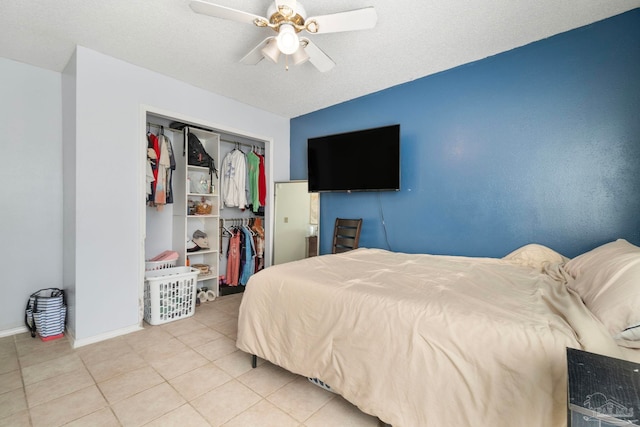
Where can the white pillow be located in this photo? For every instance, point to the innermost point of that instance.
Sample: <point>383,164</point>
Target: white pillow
<point>608,280</point>
<point>536,256</point>
<point>632,333</point>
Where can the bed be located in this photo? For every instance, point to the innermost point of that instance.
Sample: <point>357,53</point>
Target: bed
<point>430,340</point>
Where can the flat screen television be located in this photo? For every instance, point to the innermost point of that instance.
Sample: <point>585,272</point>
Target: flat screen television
<point>363,160</point>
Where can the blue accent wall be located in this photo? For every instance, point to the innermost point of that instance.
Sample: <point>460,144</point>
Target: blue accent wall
<point>540,144</point>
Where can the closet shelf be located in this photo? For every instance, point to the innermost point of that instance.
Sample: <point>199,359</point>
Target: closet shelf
<point>202,216</point>
<point>198,168</point>
<point>202,194</point>
<point>206,251</point>
<point>203,277</point>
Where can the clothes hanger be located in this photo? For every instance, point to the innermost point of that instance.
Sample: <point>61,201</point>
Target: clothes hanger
<point>245,225</point>
<point>222,227</point>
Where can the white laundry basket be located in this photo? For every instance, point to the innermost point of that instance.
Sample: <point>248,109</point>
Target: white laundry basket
<point>159,265</point>
<point>169,294</point>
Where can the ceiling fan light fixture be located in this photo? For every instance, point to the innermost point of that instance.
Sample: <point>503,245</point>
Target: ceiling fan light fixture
<point>300,56</point>
<point>271,50</point>
<point>287,39</point>
<point>288,18</point>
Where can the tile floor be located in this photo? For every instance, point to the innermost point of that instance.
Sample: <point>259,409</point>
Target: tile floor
<point>184,373</point>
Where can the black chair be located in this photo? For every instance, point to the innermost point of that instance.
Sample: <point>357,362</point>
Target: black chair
<point>346,235</point>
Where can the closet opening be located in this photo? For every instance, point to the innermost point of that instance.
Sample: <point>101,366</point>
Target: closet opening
<point>213,215</point>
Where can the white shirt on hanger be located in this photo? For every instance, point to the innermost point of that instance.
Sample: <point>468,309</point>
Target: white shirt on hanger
<point>232,180</point>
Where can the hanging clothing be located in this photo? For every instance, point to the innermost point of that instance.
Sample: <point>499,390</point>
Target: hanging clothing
<point>253,166</point>
<point>172,167</point>
<point>232,180</point>
<point>248,256</point>
<point>262,182</point>
<point>164,164</point>
<point>233,258</point>
<point>243,253</point>
<point>160,166</point>
<point>153,154</point>
<point>149,178</point>
<point>258,240</point>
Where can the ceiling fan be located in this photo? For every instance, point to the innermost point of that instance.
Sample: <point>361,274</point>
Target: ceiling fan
<point>288,18</point>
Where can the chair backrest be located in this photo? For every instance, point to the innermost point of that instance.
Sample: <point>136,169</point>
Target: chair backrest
<point>346,234</point>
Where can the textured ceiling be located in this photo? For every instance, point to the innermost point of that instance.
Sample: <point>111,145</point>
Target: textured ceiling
<point>412,39</point>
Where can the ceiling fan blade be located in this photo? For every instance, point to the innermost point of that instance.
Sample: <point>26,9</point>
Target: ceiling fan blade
<point>317,57</point>
<point>255,56</point>
<point>352,20</point>
<point>223,12</point>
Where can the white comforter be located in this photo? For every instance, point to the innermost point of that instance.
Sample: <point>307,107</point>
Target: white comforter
<point>423,340</point>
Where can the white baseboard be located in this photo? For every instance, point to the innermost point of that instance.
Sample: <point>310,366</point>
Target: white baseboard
<point>79,343</point>
<point>75,343</point>
<point>14,331</point>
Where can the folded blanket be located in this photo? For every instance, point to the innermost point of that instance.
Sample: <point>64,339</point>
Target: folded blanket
<point>165,256</point>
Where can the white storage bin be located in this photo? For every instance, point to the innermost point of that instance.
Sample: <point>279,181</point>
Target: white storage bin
<point>169,294</point>
<point>159,265</point>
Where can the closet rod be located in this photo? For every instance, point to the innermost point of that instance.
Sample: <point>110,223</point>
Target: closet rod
<point>246,218</point>
<point>155,125</point>
<point>241,143</point>
<point>244,144</point>
<point>235,222</point>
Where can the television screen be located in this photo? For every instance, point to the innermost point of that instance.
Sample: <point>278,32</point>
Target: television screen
<point>364,160</point>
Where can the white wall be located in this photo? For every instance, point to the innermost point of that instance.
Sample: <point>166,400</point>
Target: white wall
<point>109,202</point>
<point>69,186</point>
<point>31,190</point>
